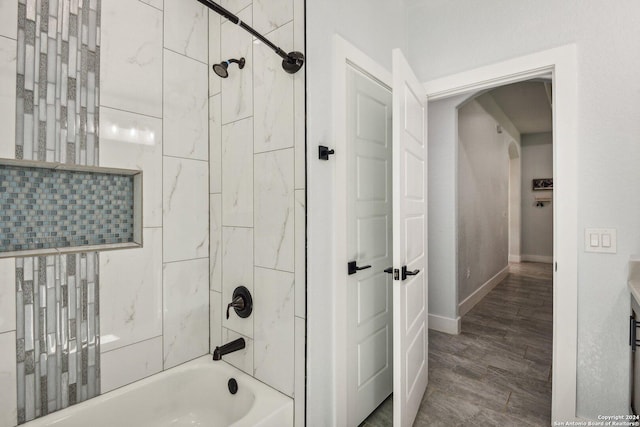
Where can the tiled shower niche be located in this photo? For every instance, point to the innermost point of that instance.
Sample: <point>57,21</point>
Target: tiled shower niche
<point>53,208</point>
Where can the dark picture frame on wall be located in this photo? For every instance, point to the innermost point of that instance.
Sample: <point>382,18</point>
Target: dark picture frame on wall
<point>542,184</point>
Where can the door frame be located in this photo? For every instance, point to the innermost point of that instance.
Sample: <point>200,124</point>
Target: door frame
<point>515,201</point>
<point>561,63</point>
<point>345,54</point>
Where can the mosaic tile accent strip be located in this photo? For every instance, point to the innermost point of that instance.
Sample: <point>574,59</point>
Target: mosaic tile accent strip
<point>58,81</point>
<point>57,120</point>
<point>58,339</point>
<point>47,208</point>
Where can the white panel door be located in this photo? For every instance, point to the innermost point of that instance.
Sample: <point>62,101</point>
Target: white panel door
<point>369,244</point>
<point>410,351</point>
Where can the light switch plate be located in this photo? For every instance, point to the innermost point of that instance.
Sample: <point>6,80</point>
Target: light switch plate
<point>601,240</point>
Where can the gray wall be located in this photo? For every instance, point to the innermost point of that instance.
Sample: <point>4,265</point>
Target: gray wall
<point>443,182</point>
<point>442,195</point>
<point>537,222</point>
<point>448,37</point>
<point>375,27</point>
<point>483,199</point>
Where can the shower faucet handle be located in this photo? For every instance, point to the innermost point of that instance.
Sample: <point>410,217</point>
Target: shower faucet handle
<point>237,303</point>
<point>242,302</point>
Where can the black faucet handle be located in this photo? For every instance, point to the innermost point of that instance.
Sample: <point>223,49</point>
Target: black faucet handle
<point>242,302</point>
<point>238,303</point>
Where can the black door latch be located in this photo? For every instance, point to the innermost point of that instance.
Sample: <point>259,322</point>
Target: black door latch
<point>396,272</point>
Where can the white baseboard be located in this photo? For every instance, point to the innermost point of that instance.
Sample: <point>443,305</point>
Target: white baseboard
<point>515,258</point>
<point>445,324</point>
<point>537,258</point>
<point>474,298</point>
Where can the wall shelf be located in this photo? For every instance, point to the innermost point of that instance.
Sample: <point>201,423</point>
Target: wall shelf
<point>541,200</point>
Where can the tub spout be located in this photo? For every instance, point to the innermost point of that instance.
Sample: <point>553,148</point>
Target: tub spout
<point>230,347</point>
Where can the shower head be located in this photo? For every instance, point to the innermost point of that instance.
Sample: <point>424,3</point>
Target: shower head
<point>292,62</point>
<point>221,68</point>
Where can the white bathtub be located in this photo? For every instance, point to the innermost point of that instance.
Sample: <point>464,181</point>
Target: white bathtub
<point>193,394</point>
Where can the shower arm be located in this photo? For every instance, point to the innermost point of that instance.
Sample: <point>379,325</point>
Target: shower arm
<point>293,59</point>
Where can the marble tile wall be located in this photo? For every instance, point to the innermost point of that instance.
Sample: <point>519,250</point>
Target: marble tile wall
<point>131,137</point>
<point>185,182</point>
<point>257,200</point>
<point>150,59</point>
<point>154,118</point>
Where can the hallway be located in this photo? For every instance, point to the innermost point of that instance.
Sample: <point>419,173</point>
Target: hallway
<point>497,372</point>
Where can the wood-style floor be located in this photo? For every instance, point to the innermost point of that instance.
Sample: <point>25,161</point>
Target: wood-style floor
<point>497,372</point>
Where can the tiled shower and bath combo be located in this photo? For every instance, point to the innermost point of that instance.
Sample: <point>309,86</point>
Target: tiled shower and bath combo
<point>138,190</point>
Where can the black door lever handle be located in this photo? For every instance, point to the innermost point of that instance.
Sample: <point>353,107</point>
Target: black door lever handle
<point>406,272</point>
<point>352,267</point>
<point>389,270</point>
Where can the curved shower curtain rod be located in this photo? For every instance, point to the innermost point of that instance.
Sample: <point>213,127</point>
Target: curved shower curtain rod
<point>291,62</point>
